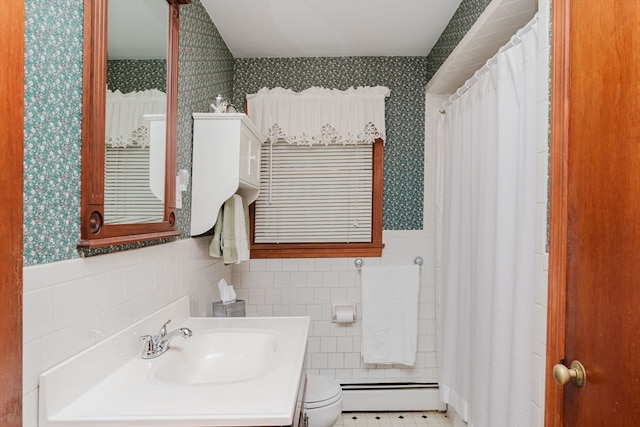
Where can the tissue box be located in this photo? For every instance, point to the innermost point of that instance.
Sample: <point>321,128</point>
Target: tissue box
<point>231,309</point>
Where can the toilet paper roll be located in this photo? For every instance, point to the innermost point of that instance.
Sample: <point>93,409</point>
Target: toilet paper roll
<point>344,316</point>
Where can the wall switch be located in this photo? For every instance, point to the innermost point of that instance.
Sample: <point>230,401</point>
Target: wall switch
<point>178,193</point>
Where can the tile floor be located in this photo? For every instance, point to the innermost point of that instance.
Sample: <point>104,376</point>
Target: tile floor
<point>393,419</point>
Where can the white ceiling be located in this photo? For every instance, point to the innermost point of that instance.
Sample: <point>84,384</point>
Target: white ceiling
<point>315,28</point>
<point>137,29</point>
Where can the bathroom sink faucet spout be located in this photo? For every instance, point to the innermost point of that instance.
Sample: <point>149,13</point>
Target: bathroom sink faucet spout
<point>155,345</point>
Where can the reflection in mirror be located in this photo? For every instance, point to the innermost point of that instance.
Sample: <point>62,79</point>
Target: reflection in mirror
<point>135,112</point>
<point>121,226</point>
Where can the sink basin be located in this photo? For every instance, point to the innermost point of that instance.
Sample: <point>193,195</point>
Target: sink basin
<point>220,356</point>
<point>232,372</point>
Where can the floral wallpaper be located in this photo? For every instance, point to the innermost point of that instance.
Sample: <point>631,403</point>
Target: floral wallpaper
<point>406,77</point>
<point>53,112</point>
<point>130,75</point>
<point>52,129</point>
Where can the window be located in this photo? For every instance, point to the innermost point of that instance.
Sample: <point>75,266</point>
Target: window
<point>319,201</point>
<point>135,149</point>
<point>127,196</point>
<point>321,172</point>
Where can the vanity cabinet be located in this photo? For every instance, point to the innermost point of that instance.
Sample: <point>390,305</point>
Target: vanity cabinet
<point>299,416</point>
<point>226,160</point>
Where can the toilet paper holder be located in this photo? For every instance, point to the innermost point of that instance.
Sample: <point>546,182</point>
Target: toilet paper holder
<point>343,313</point>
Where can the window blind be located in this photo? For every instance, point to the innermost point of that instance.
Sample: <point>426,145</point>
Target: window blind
<point>127,195</point>
<point>314,194</point>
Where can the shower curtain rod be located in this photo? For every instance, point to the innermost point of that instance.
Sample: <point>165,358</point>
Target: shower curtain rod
<point>515,40</point>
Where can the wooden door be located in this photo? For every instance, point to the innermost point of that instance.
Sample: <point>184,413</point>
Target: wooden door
<point>594,259</point>
<point>11,148</point>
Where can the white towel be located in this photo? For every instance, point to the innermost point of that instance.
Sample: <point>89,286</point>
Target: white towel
<point>390,314</point>
<point>241,216</point>
<point>231,232</point>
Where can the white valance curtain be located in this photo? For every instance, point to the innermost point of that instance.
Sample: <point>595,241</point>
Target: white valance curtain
<point>320,116</point>
<point>125,123</point>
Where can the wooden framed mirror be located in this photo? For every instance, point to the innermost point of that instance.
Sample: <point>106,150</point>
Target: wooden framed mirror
<point>100,226</point>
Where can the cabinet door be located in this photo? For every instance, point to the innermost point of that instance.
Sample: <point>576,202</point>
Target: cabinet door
<point>249,158</point>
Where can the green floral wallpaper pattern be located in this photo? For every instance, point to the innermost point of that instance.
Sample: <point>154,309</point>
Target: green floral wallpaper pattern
<point>52,129</point>
<point>406,77</point>
<point>130,75</point>
<point>53,113</point>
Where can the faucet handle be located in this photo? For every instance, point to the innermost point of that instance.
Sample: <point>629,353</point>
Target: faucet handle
<point>163,330</point>
<point>149,345</point>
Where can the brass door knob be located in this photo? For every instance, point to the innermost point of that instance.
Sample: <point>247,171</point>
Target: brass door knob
<point>575,374</point>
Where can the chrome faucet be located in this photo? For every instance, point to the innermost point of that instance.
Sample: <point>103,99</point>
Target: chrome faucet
<point>155,345</point>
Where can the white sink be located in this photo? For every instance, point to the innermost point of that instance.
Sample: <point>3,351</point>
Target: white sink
<point>220,356</point>
<point>242,371</point>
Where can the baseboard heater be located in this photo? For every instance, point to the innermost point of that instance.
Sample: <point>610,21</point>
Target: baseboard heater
<point>381,397</point>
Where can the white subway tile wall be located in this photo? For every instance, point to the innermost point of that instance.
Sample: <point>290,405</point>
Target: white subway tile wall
<point>309,287</point>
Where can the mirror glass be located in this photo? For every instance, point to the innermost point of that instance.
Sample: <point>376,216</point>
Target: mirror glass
<point>135,113</point>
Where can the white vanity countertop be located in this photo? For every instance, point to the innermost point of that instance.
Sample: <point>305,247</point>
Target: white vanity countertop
<point>93,389</point>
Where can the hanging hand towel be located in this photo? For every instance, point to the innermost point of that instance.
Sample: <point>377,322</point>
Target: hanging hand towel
<point>215,248</point>
<point>390,314</point>
<point>241,234</point>
<point>231,232</point>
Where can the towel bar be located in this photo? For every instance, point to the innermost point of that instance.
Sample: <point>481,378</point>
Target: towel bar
<point>417,260</point>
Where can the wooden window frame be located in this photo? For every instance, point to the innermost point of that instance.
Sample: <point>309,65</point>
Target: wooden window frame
<point>333,250</point>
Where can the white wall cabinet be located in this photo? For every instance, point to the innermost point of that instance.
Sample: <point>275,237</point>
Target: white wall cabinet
<point>226,160</point>
<point>249,156</point>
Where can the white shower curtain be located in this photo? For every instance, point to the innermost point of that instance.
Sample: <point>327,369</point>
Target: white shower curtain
<point>486,241</point>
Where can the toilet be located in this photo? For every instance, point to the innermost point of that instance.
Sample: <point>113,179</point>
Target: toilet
<point>323,401</point>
